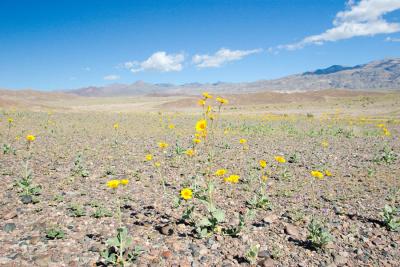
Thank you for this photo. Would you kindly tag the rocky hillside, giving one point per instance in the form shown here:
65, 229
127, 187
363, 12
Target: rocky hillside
376, 75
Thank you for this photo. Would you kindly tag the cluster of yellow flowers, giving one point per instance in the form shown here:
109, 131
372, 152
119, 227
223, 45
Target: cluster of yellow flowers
230, 179
115, 183
385, 130
233, 178
320, 175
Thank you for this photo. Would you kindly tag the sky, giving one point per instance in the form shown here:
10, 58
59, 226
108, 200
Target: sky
53, 45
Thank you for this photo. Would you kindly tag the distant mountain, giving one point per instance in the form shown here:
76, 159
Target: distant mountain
373, 76
331, 69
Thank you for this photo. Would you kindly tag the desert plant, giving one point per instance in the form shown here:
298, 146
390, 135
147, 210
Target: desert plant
55, 233
79, 168
390, 220
101, 212
318, 236
385, 155
76, 210
118, 252
252, 254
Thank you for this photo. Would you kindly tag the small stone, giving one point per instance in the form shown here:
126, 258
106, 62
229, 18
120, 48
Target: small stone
264, 254
9, 227
291, 230
42, 260
34, 240
166, 254
378, 242
203, 251
270, 218
26, 199
94, 249
10, 215
166, 230
340, 260
267, 263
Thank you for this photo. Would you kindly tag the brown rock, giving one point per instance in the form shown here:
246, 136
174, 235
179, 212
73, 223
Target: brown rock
166, 254
10, 215
267, 263
167, 230
291, 230
43, 260
270, 218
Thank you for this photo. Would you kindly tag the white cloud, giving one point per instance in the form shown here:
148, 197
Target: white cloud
220, 57
159, 61
111, 77
391, 39
362, 18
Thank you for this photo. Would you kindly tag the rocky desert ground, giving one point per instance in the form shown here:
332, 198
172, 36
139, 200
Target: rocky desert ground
265, 179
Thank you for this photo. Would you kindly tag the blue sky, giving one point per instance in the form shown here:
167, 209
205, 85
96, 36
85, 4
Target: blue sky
52, 45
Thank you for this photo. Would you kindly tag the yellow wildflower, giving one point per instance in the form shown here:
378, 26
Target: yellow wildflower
263, 163
324, 143
116, 126
186, 193
207, 95
149, 157
201, 125
243, 141
280, 159
264, 178
124, 181
162, 145
171, 126
232, 179
328, 173
317, 174
201, 102
386, 132
196, 141
30, 138
10, 120
113, 184
189, 152
157, 164
381, 125
220, 172
222, 100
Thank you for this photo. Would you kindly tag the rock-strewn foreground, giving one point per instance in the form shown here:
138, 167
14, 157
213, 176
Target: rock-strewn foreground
363, 161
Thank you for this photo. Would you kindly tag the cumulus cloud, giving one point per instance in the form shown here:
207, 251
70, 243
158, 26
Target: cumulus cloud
220, 57
111, 77
361, 18
159, 61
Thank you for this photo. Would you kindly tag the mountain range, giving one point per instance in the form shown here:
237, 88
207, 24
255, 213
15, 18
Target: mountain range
373, 76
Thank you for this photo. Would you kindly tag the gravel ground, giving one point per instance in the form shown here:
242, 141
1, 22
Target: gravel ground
364, 164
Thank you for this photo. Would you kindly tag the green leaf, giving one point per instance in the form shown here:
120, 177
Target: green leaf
219, 215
